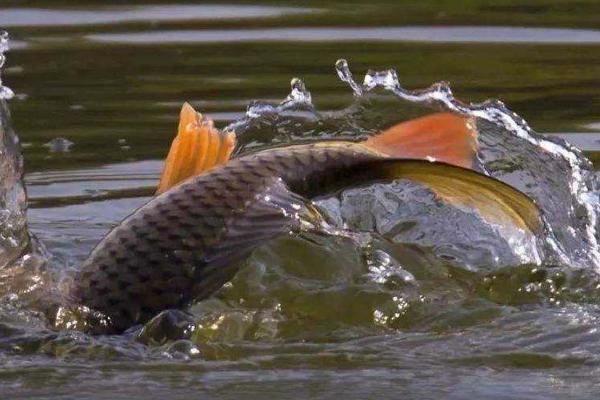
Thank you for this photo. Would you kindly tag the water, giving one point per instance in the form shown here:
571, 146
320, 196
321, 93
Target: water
428, 34
433, 304
5, 92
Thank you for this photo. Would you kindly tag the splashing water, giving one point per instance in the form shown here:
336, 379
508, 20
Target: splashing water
298, 98
407, 212
552, 172
13, 200
395, 274
582, 227
5, 93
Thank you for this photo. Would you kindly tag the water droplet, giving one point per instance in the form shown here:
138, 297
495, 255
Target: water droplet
343, 71
387, 79
298, 95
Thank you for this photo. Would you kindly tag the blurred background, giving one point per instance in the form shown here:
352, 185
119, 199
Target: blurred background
111, 77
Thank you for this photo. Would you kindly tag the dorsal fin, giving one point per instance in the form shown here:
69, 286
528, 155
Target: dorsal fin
445, 137
198, 147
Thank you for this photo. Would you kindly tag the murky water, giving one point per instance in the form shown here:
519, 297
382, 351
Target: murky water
434, 304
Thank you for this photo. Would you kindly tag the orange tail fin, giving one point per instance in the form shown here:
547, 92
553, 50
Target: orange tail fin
445, 137
198, 147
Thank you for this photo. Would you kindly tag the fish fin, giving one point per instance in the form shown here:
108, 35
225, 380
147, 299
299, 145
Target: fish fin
275, 211
198, 147
495, 201
446, 137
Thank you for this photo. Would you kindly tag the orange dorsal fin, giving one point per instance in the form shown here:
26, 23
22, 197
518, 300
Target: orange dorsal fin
198, 147
445, 137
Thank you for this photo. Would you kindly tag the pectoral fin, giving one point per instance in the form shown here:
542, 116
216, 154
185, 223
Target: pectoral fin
275, 211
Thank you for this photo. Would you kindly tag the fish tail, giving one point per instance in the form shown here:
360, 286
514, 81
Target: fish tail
446, 137
197, 148
495, 201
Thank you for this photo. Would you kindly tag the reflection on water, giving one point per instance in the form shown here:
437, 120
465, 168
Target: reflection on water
15, 17
311, 318
428, 34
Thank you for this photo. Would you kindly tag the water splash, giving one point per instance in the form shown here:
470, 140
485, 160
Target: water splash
14, 237
279, 298
343, 71
267, 123
555, 174
383, 268
299, 97
494, 111
13, 200
5, 93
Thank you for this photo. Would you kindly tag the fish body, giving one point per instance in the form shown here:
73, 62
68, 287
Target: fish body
157, 257
186, 242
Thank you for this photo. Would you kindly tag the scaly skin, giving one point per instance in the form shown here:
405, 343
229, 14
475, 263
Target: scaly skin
185, 244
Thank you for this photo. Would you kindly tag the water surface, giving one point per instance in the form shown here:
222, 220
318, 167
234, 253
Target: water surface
305, 318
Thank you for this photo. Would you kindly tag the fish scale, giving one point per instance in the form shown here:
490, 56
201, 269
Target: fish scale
184, 244
154, 259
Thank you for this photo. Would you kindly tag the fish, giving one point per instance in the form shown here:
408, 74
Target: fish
212, 210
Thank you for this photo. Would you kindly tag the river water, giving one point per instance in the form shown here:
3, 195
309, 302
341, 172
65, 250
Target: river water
436, 304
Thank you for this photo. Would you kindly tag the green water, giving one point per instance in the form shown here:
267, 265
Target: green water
299, 321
